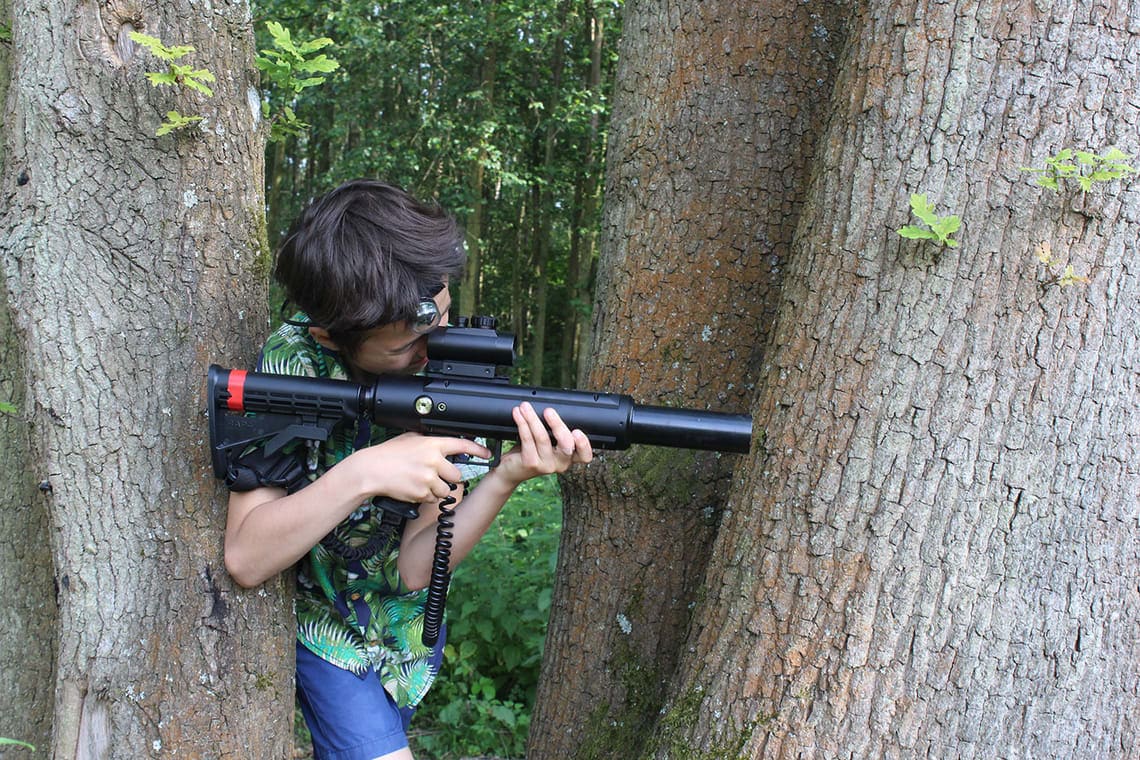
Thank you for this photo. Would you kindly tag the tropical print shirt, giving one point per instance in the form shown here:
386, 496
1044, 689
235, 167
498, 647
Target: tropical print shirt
354, 613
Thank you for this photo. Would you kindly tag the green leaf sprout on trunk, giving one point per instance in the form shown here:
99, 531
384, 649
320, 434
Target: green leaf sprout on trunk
938, 228
1084, 167
177, 75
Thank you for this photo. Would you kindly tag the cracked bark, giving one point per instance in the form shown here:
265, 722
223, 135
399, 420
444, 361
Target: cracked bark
130, 262
705, 175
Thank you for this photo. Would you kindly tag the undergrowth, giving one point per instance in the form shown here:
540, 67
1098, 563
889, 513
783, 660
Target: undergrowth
497, 611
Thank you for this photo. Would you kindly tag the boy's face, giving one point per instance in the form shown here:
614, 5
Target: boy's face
394, 349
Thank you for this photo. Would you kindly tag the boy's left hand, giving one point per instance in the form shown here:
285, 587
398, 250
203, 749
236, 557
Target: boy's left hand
544, 448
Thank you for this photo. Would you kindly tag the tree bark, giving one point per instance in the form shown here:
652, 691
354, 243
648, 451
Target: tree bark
28, 615
935, 553
715, 116
130, 262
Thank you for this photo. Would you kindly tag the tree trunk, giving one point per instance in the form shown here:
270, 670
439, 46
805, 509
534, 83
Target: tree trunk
935, 552
714, 119
129, 263
28, 615
469, 295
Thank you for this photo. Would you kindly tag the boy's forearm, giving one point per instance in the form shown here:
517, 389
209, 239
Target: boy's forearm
266, 537
473, 517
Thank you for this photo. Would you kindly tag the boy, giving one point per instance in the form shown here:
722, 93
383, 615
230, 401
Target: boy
368, 266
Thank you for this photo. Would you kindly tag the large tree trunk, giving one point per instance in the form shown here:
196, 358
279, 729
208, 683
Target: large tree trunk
705, 175
130, 262
936, 552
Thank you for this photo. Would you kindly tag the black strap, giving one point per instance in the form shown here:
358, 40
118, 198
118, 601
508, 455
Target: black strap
389, 523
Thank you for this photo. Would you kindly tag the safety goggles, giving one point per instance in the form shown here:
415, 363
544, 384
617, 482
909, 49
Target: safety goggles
428, 315
426, 318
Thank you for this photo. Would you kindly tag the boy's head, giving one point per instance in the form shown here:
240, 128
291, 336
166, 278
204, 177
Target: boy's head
364, 256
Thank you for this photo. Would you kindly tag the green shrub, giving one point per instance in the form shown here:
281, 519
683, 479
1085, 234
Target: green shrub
497, 611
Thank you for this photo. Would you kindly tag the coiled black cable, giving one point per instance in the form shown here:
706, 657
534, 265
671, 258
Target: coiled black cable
440, 573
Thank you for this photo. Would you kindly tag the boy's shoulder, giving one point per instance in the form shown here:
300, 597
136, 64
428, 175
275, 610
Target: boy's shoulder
291, 350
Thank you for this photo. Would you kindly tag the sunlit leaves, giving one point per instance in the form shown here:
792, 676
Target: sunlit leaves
938, 228
175, 120
1083, 167
176, 73
289, 67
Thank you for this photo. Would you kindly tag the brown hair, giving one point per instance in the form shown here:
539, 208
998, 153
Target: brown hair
363, 256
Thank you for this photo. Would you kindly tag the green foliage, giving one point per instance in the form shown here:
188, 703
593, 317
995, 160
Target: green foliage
1082, 166
291, 67
16, 743
175, 120
1060, 274
7, 408
938, 228
497, 612
176, 75
5, 34
442, 98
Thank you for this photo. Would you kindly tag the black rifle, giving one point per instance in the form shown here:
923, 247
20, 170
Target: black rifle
461, 394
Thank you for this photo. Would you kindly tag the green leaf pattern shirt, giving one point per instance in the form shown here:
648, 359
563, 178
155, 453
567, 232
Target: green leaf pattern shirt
354, 613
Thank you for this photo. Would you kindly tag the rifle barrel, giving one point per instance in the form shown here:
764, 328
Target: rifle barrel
690, 429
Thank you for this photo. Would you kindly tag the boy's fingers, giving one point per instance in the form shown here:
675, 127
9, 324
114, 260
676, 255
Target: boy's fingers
523, 423
537, 429
584, 448
453, 446
564, 437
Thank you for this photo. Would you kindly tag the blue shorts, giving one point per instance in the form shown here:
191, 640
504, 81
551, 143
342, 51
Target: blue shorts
350, 717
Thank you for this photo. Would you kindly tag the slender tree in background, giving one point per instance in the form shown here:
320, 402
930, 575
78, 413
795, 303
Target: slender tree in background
932, 550
130, 261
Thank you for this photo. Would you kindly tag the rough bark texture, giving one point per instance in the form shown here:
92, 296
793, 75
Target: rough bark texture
936, 554
130, 262
713, 122
28, 615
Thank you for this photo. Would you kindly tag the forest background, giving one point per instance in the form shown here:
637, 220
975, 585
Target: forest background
495, 110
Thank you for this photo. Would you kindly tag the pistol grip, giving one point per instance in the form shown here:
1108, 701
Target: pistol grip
404, 509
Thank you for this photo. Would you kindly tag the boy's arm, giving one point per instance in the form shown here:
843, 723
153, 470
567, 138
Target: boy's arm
535, 455
268, 530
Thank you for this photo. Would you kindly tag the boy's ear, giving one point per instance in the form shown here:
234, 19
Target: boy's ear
321, 335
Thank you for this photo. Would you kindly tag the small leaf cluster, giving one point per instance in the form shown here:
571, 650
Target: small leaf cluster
938, 228
290, 67
176, 74
1082, 166
16, 743
1060, 277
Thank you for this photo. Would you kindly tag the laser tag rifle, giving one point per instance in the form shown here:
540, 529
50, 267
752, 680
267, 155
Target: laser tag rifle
461, 393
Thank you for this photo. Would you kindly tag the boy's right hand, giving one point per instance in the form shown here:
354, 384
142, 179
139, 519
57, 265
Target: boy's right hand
414, 468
